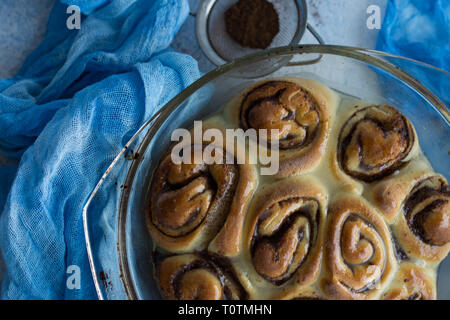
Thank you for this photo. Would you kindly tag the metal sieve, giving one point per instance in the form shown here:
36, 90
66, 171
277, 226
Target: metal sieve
220, 48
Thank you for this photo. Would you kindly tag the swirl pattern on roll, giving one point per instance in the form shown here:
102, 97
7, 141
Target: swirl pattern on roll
287, 232
359, 258
374, 142
284, 106
424, 229
388, 195
364, 216
188, 204
197, 277
300, 109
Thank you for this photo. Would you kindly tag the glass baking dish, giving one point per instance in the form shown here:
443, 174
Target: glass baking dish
118, 244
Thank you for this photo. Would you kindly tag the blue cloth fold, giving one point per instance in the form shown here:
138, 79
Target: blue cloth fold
67, 113
420, 30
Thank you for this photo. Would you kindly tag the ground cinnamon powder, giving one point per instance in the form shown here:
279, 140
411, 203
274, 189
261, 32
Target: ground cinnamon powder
252, 23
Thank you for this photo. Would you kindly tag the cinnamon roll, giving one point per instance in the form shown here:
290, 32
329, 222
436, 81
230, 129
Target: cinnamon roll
359, 257
412, 283
300, 109
191, 206
285, 235
197, 277
227, 230
423, 228
375, 142
389, 194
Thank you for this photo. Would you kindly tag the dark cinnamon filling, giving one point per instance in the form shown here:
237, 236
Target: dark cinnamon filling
180, 207
379, 145
220, 267
364, 260
271, 245
427, 224
400, 254
275, 105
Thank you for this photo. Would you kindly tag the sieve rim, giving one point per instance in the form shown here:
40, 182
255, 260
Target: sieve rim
203, 38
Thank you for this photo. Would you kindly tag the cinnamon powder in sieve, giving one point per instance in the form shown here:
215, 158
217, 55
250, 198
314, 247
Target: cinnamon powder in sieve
252, 23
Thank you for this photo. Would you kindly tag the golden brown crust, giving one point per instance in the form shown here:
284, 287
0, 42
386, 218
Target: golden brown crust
284, 106
285, 235
375, 142
191, 206
359, 257
301, 109
224, 232
228, 241
423, 227
388, 195
411, 283
196, 277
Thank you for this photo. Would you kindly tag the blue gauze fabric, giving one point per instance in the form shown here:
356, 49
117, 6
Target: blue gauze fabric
420, 30
71, 108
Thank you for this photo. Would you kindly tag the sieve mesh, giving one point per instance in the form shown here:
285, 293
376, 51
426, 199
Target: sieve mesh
228, 49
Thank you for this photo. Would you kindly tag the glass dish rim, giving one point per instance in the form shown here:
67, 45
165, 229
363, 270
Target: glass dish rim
369, 56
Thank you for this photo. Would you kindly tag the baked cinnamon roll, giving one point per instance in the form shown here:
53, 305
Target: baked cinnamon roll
389, 194
191, 206
197, 277
300, 109
285, 235
412, 283
359, 257
375, 142
423, 228
223, 230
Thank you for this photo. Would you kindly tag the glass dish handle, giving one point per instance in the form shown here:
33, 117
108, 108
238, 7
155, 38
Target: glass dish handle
319, 40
